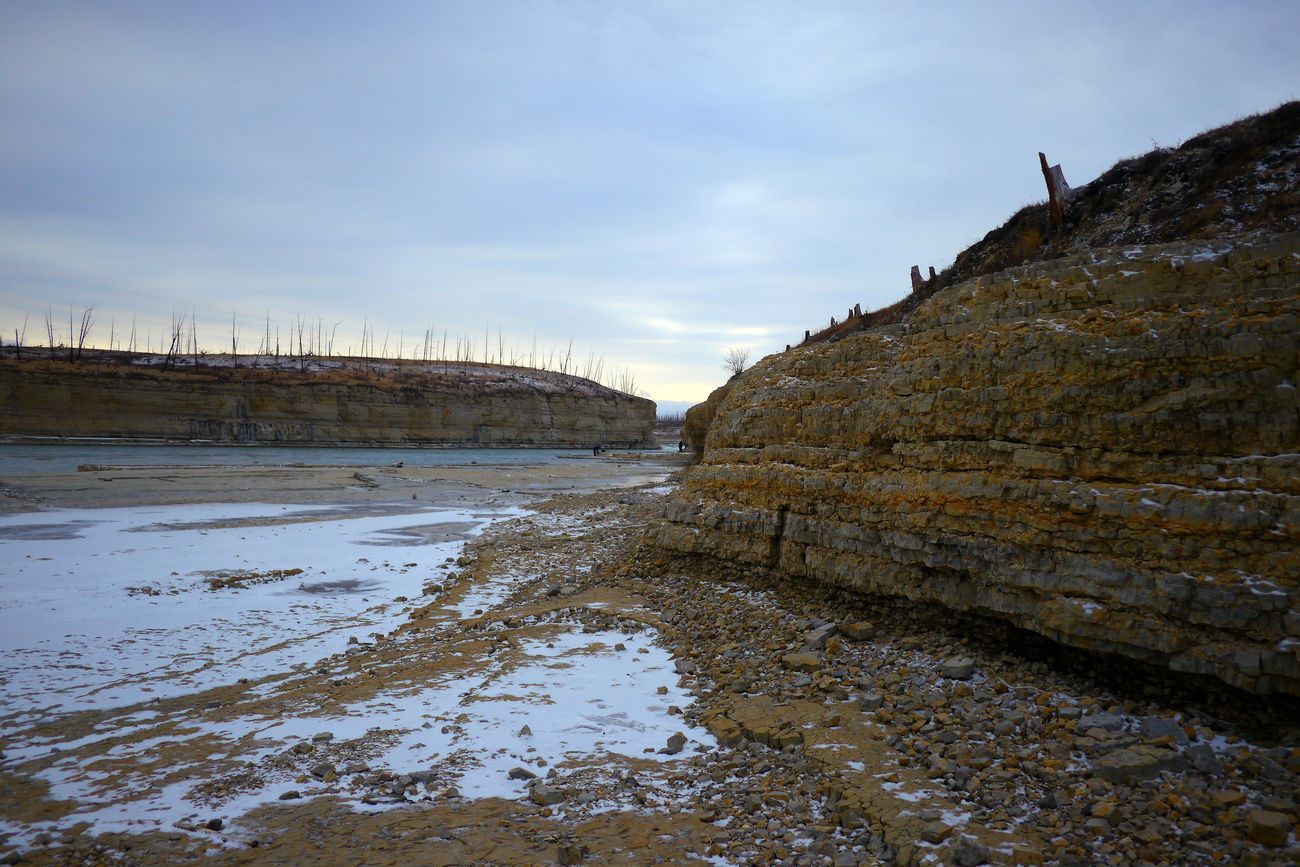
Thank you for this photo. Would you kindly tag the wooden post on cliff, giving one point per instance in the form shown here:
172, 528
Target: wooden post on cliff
1057, 189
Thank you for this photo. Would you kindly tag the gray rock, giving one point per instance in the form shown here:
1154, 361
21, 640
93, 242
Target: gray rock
816, 640
1131, 765
320, 771
321, 737
521, 774
957, 667
1108, 721
1159, 726
871, 701
1204, 760
969, 852
290, 795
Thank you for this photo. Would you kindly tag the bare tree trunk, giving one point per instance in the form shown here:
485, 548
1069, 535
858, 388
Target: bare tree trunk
19, 337
87, 322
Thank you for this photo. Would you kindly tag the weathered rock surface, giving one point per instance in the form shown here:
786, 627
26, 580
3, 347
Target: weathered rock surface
1104, 449
444, 405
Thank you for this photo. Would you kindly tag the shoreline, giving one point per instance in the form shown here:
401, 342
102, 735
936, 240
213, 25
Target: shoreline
447, 485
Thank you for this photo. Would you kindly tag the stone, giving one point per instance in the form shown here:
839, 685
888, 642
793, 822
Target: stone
816, 640
571, 853
521, 774
214, 824
1268, 828
1202, 758
935, 832
970, 852
871, 701
1105, 721
860, 630
1158, 727
322, 737
957, 667
675, 744
1132, 765
802, 661
545, 796
290, 795
1229, 798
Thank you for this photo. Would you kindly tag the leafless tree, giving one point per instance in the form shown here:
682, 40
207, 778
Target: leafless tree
19, 337
49, 328
736, 359
234, 341
177, 344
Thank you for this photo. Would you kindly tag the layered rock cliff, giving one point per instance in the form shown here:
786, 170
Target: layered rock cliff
444, 405
1104, 449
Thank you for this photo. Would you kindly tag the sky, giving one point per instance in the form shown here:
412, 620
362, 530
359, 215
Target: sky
656, 182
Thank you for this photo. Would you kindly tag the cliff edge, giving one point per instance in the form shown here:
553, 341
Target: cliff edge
381, 404
1104, 449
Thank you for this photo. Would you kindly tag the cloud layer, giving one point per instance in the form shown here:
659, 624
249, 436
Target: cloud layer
656, 180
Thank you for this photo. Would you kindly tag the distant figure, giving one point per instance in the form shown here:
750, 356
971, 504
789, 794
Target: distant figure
681, 446
598, 448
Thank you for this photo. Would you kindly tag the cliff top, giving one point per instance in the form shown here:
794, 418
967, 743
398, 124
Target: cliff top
380, 373
1236, 181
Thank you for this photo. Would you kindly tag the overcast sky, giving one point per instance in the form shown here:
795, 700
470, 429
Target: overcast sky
656, 180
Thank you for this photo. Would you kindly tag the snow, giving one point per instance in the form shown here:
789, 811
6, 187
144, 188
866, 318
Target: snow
104, 608
75, 636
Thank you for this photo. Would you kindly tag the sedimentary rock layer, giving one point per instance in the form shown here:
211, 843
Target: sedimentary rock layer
466, 405
1104, 449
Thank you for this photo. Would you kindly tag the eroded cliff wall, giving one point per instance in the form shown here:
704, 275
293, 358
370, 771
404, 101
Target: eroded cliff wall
468, 406
1104, 449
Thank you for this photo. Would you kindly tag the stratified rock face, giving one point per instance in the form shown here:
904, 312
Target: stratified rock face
463, 405
1103, 449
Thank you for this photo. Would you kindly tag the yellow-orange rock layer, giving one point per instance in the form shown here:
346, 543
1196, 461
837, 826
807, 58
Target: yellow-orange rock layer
1104, 449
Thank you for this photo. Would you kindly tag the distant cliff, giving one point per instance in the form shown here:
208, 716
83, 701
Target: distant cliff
396, 404
1104, 449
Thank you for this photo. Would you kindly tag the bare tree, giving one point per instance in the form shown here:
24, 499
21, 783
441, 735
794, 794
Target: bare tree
19, 337
49, 328
736, 359
83, 332
177, 345
234, 341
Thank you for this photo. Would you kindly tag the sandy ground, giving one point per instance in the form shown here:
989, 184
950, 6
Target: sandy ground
485, 485
768, 722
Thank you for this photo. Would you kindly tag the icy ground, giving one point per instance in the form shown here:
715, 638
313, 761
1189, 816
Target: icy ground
109, 607
111, 610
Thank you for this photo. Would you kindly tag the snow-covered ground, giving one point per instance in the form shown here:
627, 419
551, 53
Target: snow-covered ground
105, 610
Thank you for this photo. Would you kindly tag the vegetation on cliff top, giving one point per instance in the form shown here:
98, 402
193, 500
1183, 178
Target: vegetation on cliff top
1238, 180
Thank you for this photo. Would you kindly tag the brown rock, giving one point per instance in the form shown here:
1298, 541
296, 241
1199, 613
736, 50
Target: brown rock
1269, 828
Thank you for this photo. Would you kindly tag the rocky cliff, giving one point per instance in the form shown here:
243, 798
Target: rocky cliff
444, 405
1104, 449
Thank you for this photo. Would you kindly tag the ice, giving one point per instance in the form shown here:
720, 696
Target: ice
109, 607
78, 633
